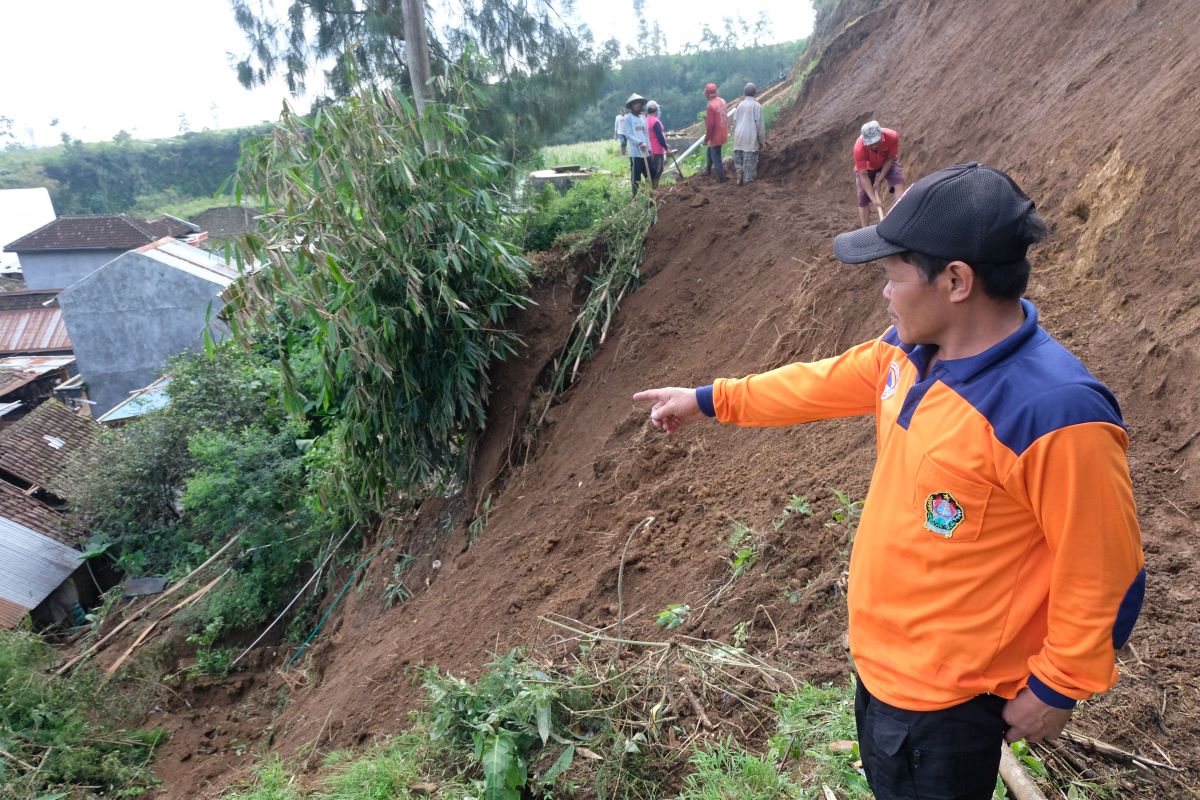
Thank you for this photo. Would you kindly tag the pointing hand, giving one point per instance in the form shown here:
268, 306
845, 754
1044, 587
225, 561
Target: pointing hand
672, 407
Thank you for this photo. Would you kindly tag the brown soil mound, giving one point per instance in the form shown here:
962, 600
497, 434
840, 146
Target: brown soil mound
1090, 104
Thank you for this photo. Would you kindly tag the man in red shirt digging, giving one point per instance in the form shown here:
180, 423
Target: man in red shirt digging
876, 159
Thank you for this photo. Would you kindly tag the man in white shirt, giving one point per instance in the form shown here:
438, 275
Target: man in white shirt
749, 135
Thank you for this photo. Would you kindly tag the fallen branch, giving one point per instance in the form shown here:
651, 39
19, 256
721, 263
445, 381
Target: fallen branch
697, 709
1016, 777
1103, 748
144, 610
193, 597
20, 761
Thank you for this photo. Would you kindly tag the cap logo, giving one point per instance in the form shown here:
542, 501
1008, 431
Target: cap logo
893, 381
942, 514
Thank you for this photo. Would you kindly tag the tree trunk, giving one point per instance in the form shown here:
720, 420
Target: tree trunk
416, 48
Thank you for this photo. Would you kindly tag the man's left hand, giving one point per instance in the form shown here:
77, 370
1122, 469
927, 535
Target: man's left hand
1031, 719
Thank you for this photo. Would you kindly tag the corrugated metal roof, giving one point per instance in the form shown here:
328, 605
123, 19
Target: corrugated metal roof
201, 263
30, 327
31, 567
143, 401
11, 614
16, 371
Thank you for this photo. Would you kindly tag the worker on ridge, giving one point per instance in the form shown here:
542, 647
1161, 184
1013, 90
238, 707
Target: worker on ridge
716, 131
658, 142
876, 159
749, 135
637, 138
997, 567
619, 128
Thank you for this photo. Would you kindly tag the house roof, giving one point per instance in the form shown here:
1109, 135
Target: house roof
29, 326
192, 260
141, 402
38, 447
227, 220
98, 232
174, 226
16, 371
37, 553
24, 510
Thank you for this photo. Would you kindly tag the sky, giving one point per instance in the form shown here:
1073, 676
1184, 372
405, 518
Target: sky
151, 67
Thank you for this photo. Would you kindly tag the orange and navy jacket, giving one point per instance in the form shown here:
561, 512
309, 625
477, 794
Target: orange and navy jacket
999, 545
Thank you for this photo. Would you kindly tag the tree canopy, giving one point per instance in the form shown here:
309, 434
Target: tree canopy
532, 64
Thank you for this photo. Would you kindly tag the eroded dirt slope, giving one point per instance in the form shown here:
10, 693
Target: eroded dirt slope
1089, 104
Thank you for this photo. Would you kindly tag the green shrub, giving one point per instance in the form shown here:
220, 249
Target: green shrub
552, 215
50, 722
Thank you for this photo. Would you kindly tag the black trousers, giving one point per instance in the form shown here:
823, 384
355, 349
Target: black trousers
952, 754
639, 167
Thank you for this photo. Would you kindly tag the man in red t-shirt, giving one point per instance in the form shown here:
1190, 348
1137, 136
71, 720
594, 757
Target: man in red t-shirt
716, 130
876, 159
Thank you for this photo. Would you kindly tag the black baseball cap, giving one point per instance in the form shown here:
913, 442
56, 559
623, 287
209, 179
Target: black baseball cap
967, 212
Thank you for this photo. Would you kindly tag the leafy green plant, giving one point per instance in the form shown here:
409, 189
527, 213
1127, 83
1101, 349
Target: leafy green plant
396, 592
741, 633
673, 616
621, 239
847, 513
507, 717
475, 528
392, 264
744, 549
796, 505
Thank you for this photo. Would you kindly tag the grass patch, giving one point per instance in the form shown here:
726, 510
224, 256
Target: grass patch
810, 719
724, 770
602, 154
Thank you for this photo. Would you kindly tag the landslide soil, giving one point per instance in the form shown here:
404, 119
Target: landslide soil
1090, 105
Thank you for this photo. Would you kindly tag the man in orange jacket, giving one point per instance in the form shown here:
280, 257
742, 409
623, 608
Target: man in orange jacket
998, 566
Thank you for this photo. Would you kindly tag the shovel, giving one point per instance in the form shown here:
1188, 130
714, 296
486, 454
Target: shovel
678, 168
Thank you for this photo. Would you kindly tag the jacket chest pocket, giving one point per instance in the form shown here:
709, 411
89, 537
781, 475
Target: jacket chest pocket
949, 508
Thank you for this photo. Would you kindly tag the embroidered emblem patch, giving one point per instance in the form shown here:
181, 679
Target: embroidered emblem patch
942, 513
893, 381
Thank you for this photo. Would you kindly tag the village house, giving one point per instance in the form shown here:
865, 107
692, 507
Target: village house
127, 319
70, 248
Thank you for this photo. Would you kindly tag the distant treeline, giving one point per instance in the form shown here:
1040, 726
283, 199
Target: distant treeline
127, 174
677, 83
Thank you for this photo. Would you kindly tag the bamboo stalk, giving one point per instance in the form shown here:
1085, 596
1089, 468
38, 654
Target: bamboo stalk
144, 610
1016, 777
187, 601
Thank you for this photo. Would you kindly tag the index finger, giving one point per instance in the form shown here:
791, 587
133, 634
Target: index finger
649, 394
